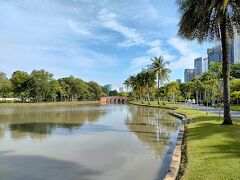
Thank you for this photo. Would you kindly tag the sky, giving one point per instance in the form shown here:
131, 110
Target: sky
100, 40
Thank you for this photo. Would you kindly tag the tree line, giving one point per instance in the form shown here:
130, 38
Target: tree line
40, 86
152, 83
209, 21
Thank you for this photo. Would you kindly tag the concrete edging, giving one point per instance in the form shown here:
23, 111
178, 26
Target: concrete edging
161, 107
177, 153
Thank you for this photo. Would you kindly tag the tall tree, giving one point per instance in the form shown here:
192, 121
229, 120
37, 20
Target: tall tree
5, 86
158, 67
39, 84
198, 86
20, 80
173, 89
208, 20
148, 79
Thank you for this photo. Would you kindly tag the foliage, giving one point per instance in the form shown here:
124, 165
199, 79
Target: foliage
5, 86
143, 84
209, 20
235, 85
113, 93
235, 70
173, 91
158, 67
41, 86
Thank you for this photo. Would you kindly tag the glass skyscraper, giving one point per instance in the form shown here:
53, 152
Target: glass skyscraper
235, 49
215, 53
200, 66
188, 75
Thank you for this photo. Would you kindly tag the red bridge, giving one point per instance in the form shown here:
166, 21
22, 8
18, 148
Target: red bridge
114, 99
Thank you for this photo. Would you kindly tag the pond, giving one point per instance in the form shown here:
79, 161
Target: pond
80, 142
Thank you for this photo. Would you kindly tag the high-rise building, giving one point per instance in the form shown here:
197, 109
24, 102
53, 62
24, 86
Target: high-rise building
121, 89
108, 87
188, 75
200, 66
215, 53
235, 49
179, 81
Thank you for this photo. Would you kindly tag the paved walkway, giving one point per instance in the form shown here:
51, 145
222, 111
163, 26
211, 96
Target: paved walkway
234, 114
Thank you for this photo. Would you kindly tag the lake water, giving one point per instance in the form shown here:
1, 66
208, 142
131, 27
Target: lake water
80, 142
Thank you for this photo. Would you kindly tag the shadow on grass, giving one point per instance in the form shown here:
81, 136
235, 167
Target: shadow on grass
214, 139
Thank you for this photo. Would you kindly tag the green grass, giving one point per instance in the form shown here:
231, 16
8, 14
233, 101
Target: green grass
213, 149
235, 107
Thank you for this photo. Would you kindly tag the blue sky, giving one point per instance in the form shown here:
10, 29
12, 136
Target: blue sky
100, 40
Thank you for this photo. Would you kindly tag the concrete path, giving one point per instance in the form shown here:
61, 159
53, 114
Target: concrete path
234, 114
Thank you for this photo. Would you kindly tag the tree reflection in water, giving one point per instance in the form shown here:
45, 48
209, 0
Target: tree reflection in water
153, 127
38, 122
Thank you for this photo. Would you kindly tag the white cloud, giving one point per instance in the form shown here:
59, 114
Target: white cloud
156, 49
187, 55
109, 20
77, 28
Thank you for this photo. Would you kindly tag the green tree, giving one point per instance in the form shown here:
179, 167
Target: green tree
235, 70
158, 67
5, 86
216, 69
235, 85
113, 93
20, 81
197, 87
95, 90
173, 90
55, 92
148, 81
39, 84
235, 95
209, 20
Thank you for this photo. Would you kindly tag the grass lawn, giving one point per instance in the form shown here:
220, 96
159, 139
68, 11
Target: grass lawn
213, 150
235, 107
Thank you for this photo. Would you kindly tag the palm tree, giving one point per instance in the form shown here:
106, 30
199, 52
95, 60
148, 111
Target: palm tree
198, 86
210, 85
158, 67
173, 88
148, 82
208, 20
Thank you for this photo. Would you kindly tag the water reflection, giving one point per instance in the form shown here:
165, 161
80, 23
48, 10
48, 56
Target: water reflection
84, 142
153, 127
40, 121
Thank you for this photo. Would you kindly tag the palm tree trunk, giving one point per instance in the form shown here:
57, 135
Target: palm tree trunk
158, 89
197, 100
148, 98
225, 71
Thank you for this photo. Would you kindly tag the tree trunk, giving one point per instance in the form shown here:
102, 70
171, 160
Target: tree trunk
196, 102
158, 90
148, 98
225, 71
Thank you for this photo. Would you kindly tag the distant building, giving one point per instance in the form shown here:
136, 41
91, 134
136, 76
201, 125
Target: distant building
188, 75
235, 49
108, 87
200, 66
121, 89
179, 81
215, 53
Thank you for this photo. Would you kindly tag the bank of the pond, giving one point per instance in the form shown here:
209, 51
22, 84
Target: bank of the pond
51, 103
212, 149
235, 107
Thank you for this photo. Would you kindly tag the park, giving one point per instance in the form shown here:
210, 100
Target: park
145, 90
